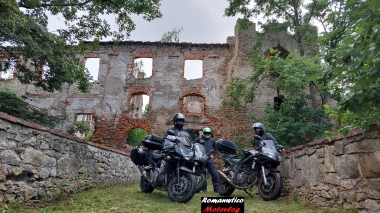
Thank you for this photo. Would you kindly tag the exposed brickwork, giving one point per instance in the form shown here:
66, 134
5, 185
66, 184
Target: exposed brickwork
111, 99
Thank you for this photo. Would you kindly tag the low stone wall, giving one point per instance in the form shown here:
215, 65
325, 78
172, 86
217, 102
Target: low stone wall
343, 172
39, 164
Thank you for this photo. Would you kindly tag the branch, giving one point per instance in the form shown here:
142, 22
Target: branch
21, 4
312, 10
284, 10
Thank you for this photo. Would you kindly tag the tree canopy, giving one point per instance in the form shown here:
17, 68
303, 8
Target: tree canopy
49, 60
172, 36
349, 48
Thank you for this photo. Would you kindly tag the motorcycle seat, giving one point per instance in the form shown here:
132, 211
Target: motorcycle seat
156, 154
235, 160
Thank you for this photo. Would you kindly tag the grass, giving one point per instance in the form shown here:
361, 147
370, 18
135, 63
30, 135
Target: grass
129, 198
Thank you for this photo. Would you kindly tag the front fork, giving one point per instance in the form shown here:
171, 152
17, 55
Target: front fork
264, 172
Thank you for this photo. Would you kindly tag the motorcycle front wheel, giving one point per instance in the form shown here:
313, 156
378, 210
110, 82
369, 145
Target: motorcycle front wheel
201, 181
183, 190
224, 187
273, 189
145, 186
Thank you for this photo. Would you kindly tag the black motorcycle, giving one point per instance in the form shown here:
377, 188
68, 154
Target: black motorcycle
257, 167
199, 165
164, 165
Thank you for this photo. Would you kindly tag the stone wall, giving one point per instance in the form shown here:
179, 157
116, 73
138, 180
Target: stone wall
341, 172
38, 164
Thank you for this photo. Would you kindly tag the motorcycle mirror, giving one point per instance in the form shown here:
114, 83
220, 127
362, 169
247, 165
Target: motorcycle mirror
170, 132
257, 137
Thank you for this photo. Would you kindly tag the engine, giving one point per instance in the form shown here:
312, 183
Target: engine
159, 175
245, 178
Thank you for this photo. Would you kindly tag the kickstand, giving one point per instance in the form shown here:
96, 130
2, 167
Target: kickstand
248, 193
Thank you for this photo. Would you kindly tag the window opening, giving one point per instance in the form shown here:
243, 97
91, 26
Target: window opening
145, 104
135, 136
45, 71
193, 69
92, 65
194, 133
139, 104
143, 67
84, 127
8, 65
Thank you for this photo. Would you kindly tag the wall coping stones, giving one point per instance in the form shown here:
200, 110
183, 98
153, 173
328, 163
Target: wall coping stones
23, 122
334, 138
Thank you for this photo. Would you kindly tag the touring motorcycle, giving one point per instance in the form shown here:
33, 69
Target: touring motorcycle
165, 164
199, 165
258, 166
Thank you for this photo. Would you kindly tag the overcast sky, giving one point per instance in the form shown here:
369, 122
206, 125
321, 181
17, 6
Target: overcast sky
202, 21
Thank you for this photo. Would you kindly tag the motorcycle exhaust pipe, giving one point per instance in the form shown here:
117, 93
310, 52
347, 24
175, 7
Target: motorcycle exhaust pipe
230, 181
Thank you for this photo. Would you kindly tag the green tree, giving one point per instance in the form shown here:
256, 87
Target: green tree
352, 51
138, 70
294, 122
46, 59
172, 36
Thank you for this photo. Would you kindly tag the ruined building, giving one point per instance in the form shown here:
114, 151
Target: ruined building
114, 103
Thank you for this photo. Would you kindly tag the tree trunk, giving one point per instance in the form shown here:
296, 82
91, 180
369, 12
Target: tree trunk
313, 94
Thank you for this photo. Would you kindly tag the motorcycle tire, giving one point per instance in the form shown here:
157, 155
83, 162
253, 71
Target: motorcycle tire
274, 188
224, 187
184, 190
145, 186
201, 181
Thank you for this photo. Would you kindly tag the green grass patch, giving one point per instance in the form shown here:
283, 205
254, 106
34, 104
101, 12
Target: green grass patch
129, 198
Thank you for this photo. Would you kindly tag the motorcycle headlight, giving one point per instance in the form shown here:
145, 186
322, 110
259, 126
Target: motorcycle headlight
270, 154
187, 154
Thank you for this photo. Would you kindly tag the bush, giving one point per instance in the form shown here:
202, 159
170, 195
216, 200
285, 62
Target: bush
135, 136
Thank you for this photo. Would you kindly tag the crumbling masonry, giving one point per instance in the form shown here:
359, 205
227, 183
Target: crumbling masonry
114, 101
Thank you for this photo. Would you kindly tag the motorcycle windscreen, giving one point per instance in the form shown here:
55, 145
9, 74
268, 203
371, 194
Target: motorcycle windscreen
168, 144
184, 138
269, 144
270, 150
200, 151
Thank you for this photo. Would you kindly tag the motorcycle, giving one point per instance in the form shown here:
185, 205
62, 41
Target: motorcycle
241, 173
164, 165
199, 165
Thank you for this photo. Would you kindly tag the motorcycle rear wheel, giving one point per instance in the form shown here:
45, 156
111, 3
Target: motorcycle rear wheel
224, 187
182, 191
145, 186
201, 181
274, 188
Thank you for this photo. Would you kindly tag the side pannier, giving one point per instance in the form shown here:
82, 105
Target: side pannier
138, 156
226, 146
